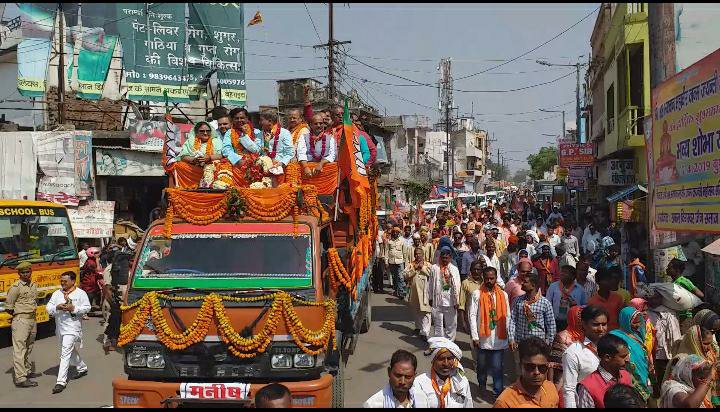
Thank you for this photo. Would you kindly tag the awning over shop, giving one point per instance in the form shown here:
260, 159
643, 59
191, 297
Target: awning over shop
625, 193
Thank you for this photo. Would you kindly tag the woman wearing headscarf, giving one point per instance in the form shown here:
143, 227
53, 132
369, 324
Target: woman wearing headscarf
689, 384
650, 341
632, 331
700, 341
563, 339
445, 386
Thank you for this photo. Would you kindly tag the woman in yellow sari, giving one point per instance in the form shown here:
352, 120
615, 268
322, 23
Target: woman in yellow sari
701, 342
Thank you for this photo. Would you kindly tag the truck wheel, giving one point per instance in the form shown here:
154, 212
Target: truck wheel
365, 325
338, 387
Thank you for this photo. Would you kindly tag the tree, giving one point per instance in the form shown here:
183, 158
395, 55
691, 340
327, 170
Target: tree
542, 162
520, 175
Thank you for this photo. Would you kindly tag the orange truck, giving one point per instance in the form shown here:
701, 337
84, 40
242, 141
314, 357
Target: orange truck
40, 233
226, 296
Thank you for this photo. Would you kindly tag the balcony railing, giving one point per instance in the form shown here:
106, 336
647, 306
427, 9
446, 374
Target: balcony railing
633, 124
633, 8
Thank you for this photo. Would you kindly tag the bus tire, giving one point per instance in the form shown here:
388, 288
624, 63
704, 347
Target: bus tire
338, 387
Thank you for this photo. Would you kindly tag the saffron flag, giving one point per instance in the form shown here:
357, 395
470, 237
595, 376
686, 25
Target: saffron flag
257, 19
351, 164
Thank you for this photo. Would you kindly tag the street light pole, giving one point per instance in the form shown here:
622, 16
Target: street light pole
577, 94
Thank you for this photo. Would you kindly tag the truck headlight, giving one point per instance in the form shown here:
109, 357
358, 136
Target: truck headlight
2, 306
155, 360
136, 360
303, 360
281, 361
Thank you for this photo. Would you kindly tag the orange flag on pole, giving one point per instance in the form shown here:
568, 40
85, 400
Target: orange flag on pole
257, 19
351, 163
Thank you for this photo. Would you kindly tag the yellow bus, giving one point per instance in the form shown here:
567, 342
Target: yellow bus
38, 232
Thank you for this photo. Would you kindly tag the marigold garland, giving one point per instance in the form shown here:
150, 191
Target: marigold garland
209, 149
338, 273
212, 311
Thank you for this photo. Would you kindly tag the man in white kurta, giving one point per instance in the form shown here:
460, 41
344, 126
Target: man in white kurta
445, 294
67, 306
458, 394
490, 346
316, 146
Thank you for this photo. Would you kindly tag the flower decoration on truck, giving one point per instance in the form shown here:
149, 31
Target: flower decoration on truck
212, 312
267, 205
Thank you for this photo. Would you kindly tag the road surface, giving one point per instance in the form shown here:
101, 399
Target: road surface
366, 371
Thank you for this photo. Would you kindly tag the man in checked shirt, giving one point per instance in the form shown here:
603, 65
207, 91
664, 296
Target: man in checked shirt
532, 314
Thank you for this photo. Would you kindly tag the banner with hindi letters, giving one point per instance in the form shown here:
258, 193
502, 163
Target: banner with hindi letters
153, 43
686, 149
215, 42
33, 52
94, 220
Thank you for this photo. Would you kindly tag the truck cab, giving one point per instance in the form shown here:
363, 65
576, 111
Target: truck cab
276, 315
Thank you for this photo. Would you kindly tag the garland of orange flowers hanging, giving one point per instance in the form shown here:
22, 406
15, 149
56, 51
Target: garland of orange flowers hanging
212, 311
248, 130
267, 205
209, 149
339, 275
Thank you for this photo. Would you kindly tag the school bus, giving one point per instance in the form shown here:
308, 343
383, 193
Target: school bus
40, 233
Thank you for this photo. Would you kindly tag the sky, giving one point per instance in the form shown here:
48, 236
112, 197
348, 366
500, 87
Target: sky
410, 39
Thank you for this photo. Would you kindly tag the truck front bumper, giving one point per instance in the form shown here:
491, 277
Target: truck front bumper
149, 394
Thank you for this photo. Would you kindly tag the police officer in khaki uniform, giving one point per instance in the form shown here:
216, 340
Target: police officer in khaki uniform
21, 304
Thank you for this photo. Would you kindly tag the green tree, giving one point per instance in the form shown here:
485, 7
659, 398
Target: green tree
542, 162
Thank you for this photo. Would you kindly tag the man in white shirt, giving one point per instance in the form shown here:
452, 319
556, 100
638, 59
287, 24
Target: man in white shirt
67, 306
591, 239
580, 358
570, 243
446, 370
315, 145
444, 292
490, 320
399, 392
492, 260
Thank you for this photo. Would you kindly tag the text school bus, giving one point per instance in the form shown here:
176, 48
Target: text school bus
40, 233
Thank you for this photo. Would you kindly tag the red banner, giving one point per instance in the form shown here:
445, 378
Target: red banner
576, 154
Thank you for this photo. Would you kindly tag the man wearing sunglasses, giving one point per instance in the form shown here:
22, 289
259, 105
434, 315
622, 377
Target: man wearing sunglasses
532, 389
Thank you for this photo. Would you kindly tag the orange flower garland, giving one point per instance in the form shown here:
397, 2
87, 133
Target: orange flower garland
213, 311
296, 132
235, 136
338, 273
209, 149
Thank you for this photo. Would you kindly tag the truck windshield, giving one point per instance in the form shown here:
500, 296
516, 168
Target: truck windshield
34, 236
226, 261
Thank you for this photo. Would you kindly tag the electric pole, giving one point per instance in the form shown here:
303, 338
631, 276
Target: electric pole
331, 52
445, 104
61, 67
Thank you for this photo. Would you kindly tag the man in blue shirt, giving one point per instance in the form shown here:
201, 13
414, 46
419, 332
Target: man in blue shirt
565, 294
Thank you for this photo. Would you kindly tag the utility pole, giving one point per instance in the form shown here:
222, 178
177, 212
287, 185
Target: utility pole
61, 68
331, 54
577, 103
445, 104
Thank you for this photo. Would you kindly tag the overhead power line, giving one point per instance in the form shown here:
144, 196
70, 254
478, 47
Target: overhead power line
533, 49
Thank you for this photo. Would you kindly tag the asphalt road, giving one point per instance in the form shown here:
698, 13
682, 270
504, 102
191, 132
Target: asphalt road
392, 329
93, 390
366, 372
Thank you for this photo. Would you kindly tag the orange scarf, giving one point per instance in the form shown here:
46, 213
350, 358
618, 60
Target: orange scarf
209, 149
247, 129
500, 307
296, 132
440, 392
529, 314
633, 275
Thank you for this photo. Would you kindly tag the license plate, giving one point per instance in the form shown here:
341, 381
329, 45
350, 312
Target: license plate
41, 315
225, 390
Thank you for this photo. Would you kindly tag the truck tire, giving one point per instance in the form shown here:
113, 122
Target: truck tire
365, 325
338, 387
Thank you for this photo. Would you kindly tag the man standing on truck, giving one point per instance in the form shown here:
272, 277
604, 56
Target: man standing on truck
21, 304
67, 306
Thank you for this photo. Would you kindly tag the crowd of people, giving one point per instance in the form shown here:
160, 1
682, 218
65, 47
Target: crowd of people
585, 328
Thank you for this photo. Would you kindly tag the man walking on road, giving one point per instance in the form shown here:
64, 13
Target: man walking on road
445, 295
21, 303
67, 306
399, 392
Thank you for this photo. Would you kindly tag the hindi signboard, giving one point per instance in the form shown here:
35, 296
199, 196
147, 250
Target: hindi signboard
94, 220
685, 151
617, 172
57, 190
576, 154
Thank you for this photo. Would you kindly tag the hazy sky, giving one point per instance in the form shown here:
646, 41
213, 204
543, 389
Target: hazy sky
409, 40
